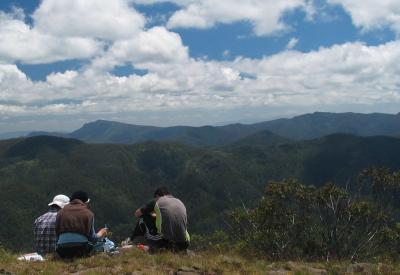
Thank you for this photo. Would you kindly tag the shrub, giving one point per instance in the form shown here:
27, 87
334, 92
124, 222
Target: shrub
293, 220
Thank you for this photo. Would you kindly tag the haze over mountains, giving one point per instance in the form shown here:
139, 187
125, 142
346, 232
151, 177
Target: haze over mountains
301, 127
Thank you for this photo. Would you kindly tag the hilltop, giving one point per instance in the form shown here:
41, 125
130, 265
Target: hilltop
204, 262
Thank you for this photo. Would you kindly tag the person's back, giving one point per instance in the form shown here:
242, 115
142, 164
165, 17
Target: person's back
173, 219
45, 232
75, 228
168, 229
75, 218
45, 237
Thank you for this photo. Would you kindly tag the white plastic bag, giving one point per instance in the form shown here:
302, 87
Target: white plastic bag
32, 257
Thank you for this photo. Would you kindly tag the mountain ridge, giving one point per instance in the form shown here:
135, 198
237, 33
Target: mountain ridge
302, 127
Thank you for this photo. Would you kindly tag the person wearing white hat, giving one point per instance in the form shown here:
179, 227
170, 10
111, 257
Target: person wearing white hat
45, 237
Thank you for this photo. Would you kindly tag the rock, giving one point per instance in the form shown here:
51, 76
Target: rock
187, 273
363, 268
197, 266
184, 270
317, 271
295, 268
190, 253
385, 269
292, 265
279, 272
299, 267
230, 261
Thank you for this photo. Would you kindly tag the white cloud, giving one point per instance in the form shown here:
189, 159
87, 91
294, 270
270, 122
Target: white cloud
20, 42
62, 80
66, 29
292, 43
226, 53
230, 74
343, 74
15, 87
89, 18
264, 15
154, 46
9, 72
372, 14
351, 73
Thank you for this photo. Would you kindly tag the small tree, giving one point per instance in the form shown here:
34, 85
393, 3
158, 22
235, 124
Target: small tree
349, 227
293, 220
278, 225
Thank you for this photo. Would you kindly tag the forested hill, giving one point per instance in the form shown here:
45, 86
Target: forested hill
321, 124
210, 181
302, 127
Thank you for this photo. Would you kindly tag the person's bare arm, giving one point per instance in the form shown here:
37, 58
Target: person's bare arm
102, 233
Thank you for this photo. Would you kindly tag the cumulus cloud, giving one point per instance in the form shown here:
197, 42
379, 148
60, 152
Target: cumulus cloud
292, 43
154, 46
371, 14
9, 72
67, 29
264, 15
342, 74
226, 53
14, 87
21, 42
89, 18
348, 73
65, 80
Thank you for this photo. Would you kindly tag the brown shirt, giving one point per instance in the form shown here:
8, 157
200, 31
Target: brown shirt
75, 217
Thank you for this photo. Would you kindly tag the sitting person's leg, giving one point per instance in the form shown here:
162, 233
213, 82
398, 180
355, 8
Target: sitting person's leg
139, 230
180, 246
146, 227
171, 246
75, 250
159, 244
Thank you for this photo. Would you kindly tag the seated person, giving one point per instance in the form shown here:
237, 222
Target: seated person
45, 237
169, 227
75, 228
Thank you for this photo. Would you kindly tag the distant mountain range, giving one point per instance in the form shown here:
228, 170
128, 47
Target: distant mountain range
301, 127
8, 135
320, 124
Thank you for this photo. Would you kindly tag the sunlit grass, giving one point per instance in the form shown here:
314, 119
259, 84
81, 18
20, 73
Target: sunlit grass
206, 262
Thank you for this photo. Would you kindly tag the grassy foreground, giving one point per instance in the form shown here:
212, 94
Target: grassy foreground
135, 261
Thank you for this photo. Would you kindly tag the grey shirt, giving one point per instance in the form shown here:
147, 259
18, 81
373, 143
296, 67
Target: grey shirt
171, 218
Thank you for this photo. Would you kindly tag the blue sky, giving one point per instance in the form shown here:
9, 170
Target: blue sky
63, 63
237, 38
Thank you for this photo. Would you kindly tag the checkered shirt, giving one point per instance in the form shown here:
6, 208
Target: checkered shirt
45, 233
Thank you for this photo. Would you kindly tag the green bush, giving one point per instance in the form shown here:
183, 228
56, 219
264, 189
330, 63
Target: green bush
293, 220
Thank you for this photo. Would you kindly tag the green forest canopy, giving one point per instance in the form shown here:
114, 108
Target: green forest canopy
210, 181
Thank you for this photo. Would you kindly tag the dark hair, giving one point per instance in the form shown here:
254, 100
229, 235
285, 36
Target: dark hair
161, 191
55, 207
80, 195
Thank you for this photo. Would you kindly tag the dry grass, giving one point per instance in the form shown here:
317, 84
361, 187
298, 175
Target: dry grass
135, 261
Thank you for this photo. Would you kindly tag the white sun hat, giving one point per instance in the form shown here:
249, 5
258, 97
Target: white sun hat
60, 200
